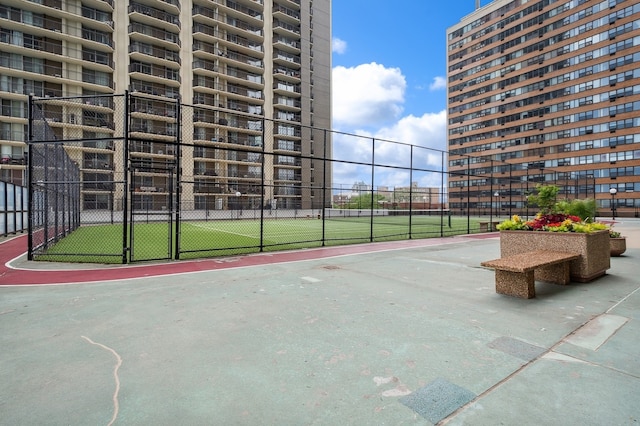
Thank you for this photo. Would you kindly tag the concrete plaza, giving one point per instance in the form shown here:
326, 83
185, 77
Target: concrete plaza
409, 334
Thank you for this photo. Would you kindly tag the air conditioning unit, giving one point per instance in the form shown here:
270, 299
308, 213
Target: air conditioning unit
160, 152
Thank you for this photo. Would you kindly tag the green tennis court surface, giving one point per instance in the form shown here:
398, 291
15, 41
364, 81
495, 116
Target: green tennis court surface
104, 243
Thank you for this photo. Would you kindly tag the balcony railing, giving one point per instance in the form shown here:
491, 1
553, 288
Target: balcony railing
155, 32
17, 160
155, 51
154, 13
241, 8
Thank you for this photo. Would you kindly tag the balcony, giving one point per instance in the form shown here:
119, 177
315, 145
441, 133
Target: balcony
287, 74
244, 107
204, 152
154, 89
204, 171
144, 106
165, 38
244, 59
154, 71
204, 116
152, 12
239, 41
286, 59
287, 44
284, 13
97, 164
206, 188
16, 39
204, 64
287, 104
16, 160
152, 51
95, 122
97, 36
285, 28
284, 89
235, 9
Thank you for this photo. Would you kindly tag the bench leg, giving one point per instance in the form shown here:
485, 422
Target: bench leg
517, 284
557, 274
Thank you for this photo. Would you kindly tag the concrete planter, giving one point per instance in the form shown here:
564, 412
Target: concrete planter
618, 246
594, 249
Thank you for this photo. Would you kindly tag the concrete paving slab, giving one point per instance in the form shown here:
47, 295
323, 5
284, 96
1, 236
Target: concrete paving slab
339, 340
557, 392
597, 331
437, 400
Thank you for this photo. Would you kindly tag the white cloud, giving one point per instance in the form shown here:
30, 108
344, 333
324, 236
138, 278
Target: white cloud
426, 131
338, 46
368, 101
438, 83
368, 95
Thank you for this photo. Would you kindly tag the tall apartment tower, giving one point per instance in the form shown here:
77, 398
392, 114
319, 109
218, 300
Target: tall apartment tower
264, 58
545, 91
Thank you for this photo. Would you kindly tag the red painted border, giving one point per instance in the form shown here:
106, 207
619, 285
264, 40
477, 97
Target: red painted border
16, 247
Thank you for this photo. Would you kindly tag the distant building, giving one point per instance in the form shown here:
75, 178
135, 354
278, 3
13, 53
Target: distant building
260, 58
405, 197
545, 92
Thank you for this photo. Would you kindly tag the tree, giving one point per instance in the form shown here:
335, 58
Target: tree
365, 201
545, 199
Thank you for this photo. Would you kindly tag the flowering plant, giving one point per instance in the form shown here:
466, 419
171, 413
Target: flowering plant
614, 234
556, 216
553, 222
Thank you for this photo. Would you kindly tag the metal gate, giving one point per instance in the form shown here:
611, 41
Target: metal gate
153, 209
153, 173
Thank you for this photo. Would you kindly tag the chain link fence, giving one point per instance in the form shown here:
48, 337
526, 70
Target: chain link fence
130, 178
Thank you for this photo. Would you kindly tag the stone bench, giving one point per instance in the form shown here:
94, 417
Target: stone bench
486, 226
516, 275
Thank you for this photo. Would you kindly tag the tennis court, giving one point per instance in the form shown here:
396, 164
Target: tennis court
231, 236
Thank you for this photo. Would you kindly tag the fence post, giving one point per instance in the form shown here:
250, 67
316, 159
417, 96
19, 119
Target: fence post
126, 195
5, 211
411, 192
178, 179
29, 175
468, 198
442, 190
373, 172
324, 185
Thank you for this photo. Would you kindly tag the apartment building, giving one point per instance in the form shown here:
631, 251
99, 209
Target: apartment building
234, 62
545, 91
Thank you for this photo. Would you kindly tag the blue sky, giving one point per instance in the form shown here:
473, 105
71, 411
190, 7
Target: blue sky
389, 68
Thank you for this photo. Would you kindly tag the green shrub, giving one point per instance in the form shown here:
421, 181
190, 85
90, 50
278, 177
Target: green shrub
584, 209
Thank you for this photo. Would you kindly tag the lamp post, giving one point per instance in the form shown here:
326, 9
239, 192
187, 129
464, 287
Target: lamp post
497, 195
613, 192
239, 203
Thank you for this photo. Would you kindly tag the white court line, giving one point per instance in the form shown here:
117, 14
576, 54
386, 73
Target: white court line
226, 232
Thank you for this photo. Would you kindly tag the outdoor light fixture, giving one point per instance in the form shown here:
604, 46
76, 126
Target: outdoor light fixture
613, 192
